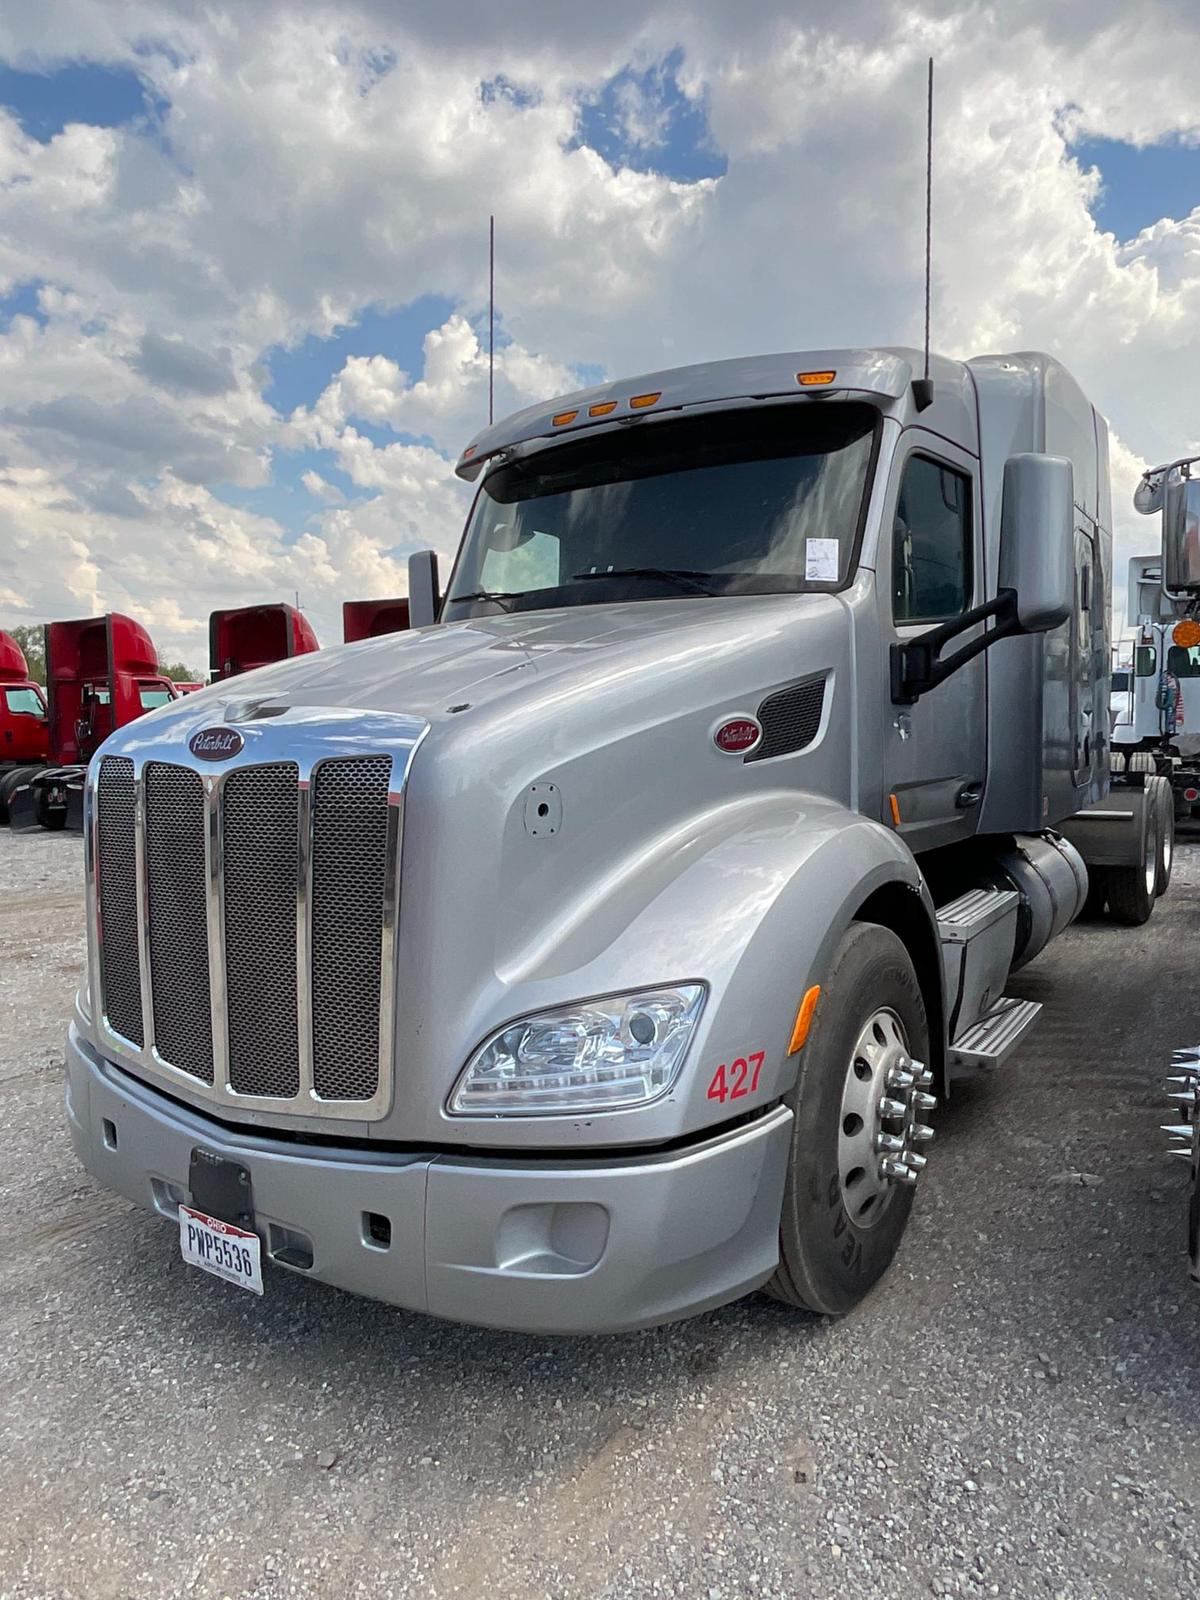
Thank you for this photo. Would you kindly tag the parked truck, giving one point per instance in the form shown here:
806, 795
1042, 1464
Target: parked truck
24, 728
243, 638
596, 951
367, 619
101, 674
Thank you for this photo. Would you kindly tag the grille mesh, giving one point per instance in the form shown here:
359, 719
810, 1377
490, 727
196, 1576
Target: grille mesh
791, 719
118, 899
178, 918
350, 825
261, 867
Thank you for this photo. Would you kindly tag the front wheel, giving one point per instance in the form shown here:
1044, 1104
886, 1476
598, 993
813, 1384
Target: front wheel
862, 1088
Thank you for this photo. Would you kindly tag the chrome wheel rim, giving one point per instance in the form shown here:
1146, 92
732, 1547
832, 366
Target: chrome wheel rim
878, 1130
1150, 864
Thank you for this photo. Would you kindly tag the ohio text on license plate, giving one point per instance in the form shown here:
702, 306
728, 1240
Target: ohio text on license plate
228, 1252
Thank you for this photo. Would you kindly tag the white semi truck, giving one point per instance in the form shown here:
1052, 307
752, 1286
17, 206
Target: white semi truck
595, 952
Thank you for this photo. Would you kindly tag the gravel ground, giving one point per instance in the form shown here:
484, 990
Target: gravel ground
1014, 1412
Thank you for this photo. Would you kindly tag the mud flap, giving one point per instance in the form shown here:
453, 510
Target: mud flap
74, 822
22, 810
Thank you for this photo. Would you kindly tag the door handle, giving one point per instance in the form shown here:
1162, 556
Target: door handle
969, 795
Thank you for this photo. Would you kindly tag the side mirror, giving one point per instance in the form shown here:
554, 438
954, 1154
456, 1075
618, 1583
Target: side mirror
1181, 535
1037, 539
423, 596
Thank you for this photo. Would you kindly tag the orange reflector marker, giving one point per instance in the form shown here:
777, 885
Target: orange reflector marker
1186, 633
563, 417
640, 401
468, 452
806, 380
804, 1019
895, 804
602, 408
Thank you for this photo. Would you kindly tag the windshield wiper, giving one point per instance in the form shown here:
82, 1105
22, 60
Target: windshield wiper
499, 596
676, 575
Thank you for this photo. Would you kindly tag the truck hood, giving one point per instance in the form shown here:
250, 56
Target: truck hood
443, 671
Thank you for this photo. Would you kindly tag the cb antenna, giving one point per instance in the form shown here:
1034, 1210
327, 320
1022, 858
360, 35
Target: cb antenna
491, 318
923, 387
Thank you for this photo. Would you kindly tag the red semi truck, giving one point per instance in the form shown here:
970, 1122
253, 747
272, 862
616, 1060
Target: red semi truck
367, 619
101, 673
252, 636
24, 727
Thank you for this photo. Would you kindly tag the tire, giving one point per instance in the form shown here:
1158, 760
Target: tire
1131, 889
829, 1258
1097, 895
1165, 797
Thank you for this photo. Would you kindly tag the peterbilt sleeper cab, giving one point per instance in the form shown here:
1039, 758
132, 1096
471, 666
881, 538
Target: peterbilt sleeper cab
596, 950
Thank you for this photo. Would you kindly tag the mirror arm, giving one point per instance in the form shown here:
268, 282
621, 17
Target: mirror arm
916, 664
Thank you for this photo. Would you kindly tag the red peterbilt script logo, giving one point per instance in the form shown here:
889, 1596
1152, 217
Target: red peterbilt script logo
737, 736
215, 744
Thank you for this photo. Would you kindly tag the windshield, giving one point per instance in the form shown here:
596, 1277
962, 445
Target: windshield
24, 702
756, 501
1120, 680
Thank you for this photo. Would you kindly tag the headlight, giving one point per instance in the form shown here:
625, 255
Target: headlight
596, 1055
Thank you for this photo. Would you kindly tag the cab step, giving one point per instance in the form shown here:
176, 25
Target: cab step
988, 1043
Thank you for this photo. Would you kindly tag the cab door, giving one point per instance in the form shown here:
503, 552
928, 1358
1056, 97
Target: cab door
930, 570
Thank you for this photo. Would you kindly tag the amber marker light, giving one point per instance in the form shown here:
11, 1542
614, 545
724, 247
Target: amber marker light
602, 408
895, 805
808, 380
563, 417
804, 1019
1186, 633
639, 402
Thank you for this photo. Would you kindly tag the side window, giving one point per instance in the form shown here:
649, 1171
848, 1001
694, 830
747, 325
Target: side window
520, 561
1145, 661
931, 543
24, 703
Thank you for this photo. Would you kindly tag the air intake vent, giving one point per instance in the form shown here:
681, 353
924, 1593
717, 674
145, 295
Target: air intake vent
178, 919
349, 868
261, 830
791, 719
117, 895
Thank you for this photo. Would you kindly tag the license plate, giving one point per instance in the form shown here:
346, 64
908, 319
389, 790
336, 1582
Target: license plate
220, 1248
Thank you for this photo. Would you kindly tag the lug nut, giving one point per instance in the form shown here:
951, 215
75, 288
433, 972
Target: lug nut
1177, 1130
889, 1167
925, 1077
891, 1142
921, 1133
900, 1078
890, 1109
917, 1161
922, 1101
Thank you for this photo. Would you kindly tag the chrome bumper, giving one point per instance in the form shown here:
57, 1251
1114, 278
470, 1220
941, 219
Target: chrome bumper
545, 1246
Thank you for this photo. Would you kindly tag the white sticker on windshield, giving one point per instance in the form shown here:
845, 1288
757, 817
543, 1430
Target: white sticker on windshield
821, 560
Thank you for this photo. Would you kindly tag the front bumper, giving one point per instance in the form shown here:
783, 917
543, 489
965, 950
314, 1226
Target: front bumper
586, 1246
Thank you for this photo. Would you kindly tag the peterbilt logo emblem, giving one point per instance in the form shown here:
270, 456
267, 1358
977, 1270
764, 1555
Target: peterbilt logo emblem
737, 736
216, 744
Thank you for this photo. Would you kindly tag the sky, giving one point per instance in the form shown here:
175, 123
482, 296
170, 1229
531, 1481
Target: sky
243, 250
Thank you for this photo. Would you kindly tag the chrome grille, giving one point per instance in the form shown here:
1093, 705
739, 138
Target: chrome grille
176, 895
349, 862
260, 826
117, 896
244, 919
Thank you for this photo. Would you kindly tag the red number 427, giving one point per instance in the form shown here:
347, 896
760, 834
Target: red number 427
729, 1082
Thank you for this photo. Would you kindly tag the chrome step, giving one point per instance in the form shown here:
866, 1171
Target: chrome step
988, 1043
972, 913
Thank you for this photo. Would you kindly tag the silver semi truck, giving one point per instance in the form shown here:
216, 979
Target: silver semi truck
595, 952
